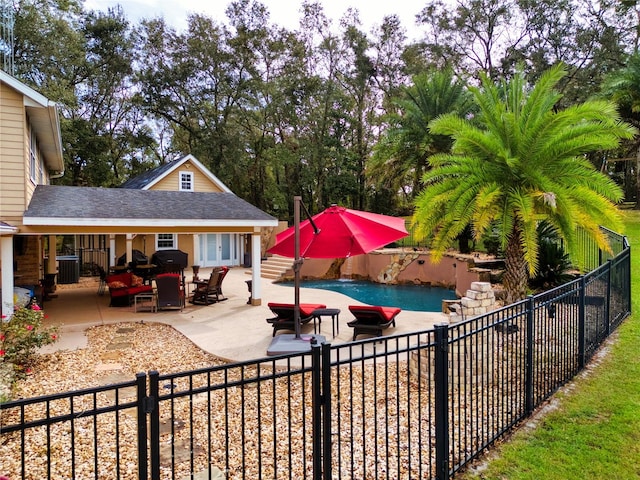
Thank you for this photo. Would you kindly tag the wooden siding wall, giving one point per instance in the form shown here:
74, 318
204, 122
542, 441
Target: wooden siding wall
13, 160
147, 245
201, 182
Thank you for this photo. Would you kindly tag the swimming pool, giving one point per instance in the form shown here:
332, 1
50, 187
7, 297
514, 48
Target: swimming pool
418, 298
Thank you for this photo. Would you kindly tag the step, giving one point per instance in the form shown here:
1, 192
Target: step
275, 266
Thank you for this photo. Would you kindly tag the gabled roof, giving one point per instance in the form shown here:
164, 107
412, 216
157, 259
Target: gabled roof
96, 206
148, 179
44, 119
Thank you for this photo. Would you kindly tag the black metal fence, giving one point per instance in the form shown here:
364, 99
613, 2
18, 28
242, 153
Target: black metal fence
419, 405
91, 260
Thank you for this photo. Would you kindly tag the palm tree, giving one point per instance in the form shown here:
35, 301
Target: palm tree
521, 161
401, 157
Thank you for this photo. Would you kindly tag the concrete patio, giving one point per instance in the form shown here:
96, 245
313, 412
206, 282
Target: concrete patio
231, 329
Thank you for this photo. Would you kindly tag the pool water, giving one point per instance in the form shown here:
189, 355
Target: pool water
418, 298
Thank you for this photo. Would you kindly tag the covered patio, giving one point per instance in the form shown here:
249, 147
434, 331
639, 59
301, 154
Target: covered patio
59, 210
231, 329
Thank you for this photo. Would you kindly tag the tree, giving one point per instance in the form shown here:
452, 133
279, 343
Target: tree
623, 86
521, 161
402, 155
491, 36
472, 36
83, 61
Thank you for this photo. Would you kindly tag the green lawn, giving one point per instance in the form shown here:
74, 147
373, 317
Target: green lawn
595, 431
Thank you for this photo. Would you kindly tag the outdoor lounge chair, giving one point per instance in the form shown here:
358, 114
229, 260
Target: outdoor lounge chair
371, 320
170, 291
210, 291
283, 312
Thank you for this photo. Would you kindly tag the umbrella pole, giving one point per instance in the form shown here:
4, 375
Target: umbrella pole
296, 264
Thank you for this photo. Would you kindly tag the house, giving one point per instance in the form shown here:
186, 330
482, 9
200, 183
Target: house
30, 155
179, 205
214, 248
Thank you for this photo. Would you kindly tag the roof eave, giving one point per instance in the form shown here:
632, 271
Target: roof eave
45, 120
160, 223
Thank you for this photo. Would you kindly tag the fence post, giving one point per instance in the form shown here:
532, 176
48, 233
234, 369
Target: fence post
607, 301
141, 385
627, 280
153, 409
441, 400
316, 410
529, 357
582, 322
327, 445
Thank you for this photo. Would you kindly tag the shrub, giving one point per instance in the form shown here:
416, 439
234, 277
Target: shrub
491, 242
22, 334
553, 262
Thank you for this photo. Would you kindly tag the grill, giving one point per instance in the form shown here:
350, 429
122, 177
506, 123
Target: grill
170, 257
137, 258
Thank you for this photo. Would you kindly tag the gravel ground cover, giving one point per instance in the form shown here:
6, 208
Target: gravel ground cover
115, 353
216, 431
260, 426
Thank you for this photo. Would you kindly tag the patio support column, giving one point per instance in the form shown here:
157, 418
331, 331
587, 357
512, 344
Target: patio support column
196, 249
112, 250
6, 254
129, 248
52, 264
256, 257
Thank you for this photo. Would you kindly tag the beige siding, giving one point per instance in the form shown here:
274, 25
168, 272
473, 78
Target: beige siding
13, 158
28, 182
147, 245
201, 181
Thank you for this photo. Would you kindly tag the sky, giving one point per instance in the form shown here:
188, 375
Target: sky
285, 13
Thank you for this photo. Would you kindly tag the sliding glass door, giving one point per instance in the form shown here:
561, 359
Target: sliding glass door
219, 249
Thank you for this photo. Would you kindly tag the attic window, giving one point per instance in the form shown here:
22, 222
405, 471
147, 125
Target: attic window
186, 181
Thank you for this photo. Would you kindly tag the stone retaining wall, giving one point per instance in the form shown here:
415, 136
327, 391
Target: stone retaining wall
478, 300
401, 266
475, 350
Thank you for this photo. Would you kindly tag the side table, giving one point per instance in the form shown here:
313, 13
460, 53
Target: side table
329, 312
141, 299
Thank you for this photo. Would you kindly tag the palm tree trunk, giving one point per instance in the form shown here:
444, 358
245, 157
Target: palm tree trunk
516, 273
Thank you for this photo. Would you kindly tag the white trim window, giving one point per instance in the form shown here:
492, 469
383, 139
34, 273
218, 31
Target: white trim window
166, 241
41, 171
186, 182
33, 157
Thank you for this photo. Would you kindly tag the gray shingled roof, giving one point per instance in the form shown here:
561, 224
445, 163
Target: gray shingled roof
143, 179
86, 203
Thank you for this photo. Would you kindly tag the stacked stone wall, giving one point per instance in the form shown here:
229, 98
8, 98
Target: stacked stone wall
476, 350
478, 300
397, 263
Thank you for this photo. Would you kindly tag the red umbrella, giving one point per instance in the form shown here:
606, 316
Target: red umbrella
341, 232
336, 232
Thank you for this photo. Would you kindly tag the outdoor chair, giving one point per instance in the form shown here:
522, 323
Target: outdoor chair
170, 291
371, 320
103, 281
210, 291
283, 312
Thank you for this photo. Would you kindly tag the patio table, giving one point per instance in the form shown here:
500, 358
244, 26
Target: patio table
329, 312
141, 300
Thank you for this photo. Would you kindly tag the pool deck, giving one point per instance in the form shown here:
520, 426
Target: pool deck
231, 329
